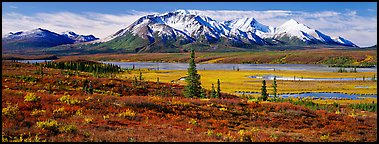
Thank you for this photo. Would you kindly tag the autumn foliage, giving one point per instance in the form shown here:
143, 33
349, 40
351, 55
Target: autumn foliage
54, 107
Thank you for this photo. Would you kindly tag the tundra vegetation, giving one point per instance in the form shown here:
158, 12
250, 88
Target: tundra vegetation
81, 100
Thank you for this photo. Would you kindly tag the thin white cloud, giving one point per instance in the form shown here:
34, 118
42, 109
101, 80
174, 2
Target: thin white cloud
98, 24
359, 29
14, 7
372, 10
352, 13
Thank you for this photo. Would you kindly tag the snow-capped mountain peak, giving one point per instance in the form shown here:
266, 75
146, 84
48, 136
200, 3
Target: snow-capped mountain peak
70, 33
44, 38
292, 21
181, 11
39, 32
248, 24
35, 38
178, 23
79, 38
190, 25
292, 28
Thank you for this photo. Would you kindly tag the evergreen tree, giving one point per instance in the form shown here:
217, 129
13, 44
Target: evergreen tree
85, 85
140, 75
264, 91
218, 94
203, 94
193, 88
90, 88
274, 87
213, 92
135, 81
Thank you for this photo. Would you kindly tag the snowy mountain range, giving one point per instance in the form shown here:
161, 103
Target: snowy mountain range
182, 27
41, 38
79, 38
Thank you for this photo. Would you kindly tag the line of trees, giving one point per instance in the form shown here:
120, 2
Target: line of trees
264, 94
214, 93
85, 66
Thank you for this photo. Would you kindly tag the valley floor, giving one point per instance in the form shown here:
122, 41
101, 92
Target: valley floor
54, 106
233, 80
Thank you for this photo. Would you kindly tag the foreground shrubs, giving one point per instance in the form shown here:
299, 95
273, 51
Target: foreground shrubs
371, 107
60, 112
174, 118
51, 125
10, 111
128, 113
68, 129
309, 104
37, 112
67, 99
21, 138
25, 78
31, 97
54, 126
88, 120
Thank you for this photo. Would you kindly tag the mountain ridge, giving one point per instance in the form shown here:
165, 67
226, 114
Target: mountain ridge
181, 29
42, 38
183, 25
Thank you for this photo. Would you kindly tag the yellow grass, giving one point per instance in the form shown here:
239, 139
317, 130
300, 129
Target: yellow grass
213, 60
232, 81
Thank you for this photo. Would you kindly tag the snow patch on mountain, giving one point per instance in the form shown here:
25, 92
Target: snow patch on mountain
43, 37
35, 33
293, 28
192, 26
79, 38
344, 42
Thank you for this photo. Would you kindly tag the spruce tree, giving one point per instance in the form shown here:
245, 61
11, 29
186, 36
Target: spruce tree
140, 75
218, 94
213, 92
274, 87
264, 91
203, 94
85, 85
193, 88
90, 88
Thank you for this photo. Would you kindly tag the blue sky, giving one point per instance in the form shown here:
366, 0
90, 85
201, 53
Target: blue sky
355, 21
122, 7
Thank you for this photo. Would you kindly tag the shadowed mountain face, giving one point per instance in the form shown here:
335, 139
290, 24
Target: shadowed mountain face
41, 38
